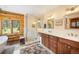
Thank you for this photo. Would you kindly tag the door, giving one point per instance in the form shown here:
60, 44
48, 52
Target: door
53, 43
46, 40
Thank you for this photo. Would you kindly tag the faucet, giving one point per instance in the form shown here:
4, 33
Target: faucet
72, 34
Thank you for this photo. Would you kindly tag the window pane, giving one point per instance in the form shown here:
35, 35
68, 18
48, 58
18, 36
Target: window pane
6, 29
16, 26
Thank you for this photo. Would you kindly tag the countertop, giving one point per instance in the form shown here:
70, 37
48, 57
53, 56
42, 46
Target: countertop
67, 34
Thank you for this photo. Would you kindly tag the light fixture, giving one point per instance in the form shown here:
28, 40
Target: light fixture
38, 21
72, 9
34, 22
50, 17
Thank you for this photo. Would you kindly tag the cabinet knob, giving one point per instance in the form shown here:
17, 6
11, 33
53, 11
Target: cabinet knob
67, 46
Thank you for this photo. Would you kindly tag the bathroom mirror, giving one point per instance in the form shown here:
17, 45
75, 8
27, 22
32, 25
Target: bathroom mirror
50, 23
34, 24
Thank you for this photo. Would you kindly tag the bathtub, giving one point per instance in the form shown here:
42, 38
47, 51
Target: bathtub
3, 42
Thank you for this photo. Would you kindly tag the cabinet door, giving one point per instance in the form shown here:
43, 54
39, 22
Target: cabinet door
63, 48
53, 41
52, 46
67, 49
60, 48
46, 40
74, 50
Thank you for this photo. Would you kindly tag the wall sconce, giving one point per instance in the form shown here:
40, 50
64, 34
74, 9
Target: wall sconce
51, 17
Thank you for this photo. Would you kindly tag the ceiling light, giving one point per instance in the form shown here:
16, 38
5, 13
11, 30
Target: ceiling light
34, 22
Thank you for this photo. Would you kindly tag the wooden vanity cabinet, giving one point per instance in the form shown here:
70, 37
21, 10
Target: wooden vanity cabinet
74, 50
63, 48
74, 47
60, 45
45, 40
53, 42
66, 46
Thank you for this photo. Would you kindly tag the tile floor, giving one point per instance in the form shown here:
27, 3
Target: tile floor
33, 48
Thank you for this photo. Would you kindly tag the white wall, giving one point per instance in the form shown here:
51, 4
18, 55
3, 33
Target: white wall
25, 25
58, 16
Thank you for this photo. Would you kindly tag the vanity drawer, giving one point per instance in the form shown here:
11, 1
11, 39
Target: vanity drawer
69, 42
53, 37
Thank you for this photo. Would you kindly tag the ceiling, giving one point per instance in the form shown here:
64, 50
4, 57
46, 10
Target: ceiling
34, 10
38, 10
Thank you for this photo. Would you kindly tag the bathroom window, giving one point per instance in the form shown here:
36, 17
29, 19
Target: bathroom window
16, 26
6, 26
9, 26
